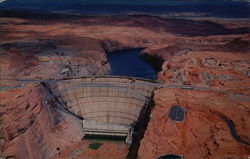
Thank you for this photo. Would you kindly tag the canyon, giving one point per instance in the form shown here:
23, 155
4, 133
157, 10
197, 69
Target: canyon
200, 53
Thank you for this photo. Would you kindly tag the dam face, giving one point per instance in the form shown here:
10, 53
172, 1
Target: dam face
108, 105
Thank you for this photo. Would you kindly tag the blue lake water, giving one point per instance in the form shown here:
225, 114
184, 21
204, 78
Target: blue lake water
129, 63
219, 8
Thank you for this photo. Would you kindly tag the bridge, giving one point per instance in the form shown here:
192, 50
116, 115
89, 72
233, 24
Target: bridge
110, 105
107, 105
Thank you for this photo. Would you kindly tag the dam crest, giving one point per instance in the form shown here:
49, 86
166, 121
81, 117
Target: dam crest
109, 106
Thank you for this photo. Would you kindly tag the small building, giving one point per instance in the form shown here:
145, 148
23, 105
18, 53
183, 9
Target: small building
43, 58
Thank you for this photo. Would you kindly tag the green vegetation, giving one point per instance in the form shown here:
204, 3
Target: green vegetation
95, 146
119, 139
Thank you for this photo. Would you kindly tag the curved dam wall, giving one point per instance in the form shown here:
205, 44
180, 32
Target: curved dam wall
108, 105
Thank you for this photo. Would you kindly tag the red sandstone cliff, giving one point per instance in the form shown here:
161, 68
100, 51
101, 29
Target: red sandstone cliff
33, 128
202, 134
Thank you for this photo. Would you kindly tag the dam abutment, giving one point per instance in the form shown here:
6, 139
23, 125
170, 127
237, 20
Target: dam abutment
108, 106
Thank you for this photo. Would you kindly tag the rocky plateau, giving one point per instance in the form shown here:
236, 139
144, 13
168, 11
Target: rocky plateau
214, 54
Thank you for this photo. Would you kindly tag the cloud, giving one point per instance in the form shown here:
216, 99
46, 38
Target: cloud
2, 1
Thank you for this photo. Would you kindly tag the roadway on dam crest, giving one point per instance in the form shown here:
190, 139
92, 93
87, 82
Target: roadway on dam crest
121, 84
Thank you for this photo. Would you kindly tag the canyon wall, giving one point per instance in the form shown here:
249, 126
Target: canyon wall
185, 52
203, 133
33, 125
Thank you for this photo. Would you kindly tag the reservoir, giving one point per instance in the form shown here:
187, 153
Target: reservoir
130, 63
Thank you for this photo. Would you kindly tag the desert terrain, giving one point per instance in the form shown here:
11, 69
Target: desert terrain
201, 53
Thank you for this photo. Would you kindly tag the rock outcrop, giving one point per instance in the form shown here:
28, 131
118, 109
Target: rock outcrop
216, 124
195, 53
202, 134
112, 45
33, 125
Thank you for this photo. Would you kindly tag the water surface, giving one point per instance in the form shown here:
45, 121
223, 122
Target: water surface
129, 63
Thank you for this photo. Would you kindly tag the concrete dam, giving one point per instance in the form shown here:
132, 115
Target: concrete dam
115, 105
108, 105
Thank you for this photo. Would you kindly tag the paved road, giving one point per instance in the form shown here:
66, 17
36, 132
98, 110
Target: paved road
155, 84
